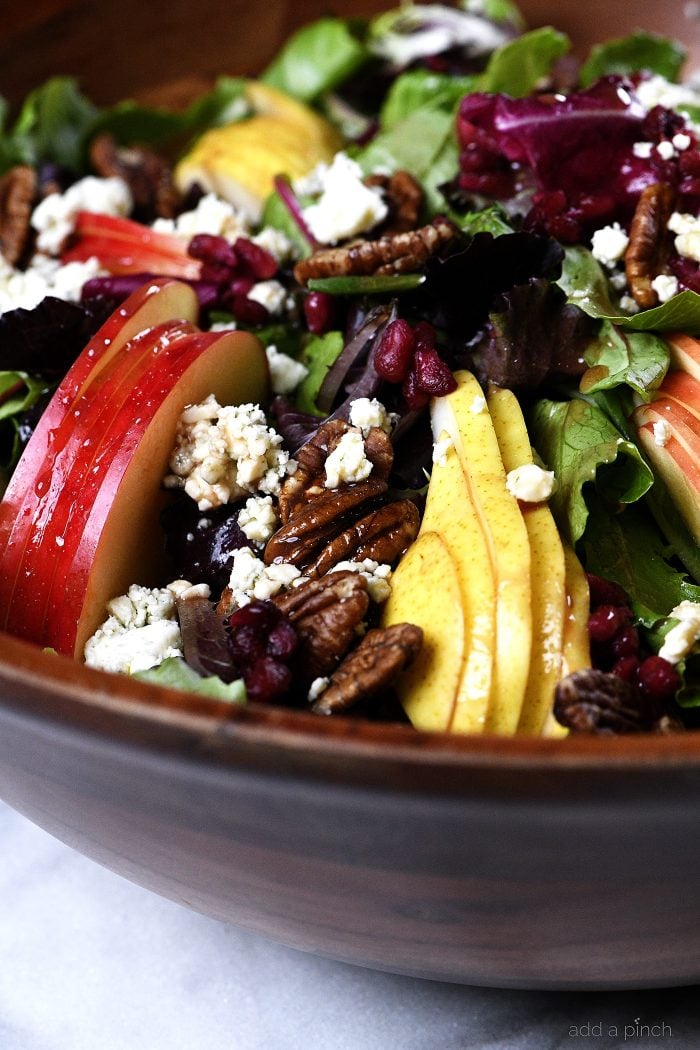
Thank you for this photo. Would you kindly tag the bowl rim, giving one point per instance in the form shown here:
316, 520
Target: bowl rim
53, 690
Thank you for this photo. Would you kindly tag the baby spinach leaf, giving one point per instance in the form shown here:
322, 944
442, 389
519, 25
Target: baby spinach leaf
629, 54
316, 59
54, 122
639, 359
319, 354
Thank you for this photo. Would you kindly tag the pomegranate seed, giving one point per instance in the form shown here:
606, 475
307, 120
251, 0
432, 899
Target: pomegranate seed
605, 592
626, 668
257, 261
606, 622
626, 643
394, 354
658, 679
248, 311
433, 376
212, 249
319, 311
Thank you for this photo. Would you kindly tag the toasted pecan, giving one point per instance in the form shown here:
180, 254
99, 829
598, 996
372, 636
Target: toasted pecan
649, 242
18, 191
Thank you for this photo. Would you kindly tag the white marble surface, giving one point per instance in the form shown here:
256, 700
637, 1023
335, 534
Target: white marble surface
90, 962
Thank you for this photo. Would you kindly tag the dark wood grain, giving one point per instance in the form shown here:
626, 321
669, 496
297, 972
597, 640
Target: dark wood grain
510, 862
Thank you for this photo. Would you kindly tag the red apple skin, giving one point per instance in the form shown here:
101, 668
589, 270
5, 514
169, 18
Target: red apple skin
73, 461
683, 388
159, 300
678, 461
125, 246
685, 353
119, 536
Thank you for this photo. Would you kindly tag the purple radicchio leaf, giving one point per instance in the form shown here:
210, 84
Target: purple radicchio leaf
295, 427
200, 544
205, 641
355, 351
47, 339
533, 335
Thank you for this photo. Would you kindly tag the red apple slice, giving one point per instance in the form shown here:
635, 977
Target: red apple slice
684, 389
159, 300
119, 536
677, 460
685, 352
72, 458
130, 246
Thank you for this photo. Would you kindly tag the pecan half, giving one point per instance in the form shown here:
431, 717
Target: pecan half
307, 482
18, 191
649, 242
404, 196
319, 521
601, 703
383, 535
325, 614
381, 655
145, 173
394, 253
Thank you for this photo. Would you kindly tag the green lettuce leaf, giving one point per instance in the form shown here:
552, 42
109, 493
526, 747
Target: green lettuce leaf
518, 67
316, 59
580, 444
491, 220
630, 54
318, 355
628, 548
638, 359
418, 88
176, 674
496, 10
54, 123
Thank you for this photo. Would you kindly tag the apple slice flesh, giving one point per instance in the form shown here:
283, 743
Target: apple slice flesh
73, 460
684, 389
120, 536
685, 352
425, 591
158, 301
677, 460
547, 569
450, 512
465, 417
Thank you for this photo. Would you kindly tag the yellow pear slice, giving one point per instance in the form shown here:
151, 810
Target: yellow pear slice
576, 649
239, 161
425, 591
547, 570
464, 415
450, 511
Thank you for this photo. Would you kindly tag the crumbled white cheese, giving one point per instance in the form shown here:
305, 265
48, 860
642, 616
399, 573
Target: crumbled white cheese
212, 215
423, 29
478, 405
44, 276
628, 304
222, 453
347, 462
657, 91
440, 450
609, 244
252, 578
285, 373
687, 229
366, 413
530, 483
140, 632
643, 150
682, 638
665, 286
346, 206
378, 576
666, 150
258, 519
270, 294
54, 216
662, 432
276, 243
681, 141
185, 590
318, 686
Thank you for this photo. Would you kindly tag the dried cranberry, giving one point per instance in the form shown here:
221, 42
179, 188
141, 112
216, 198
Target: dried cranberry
319, 311
415, 397
258, 262
626, 642
658, 679
626, 668
394, 354
262, 615
282, 641
241, 286
606, 622
433, 375
267, 680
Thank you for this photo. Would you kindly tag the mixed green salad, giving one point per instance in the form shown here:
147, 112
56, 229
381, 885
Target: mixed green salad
395, 207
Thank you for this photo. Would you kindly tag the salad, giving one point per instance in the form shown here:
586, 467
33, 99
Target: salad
368, 387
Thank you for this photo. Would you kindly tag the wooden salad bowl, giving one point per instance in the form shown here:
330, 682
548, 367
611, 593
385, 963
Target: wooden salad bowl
509, 862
